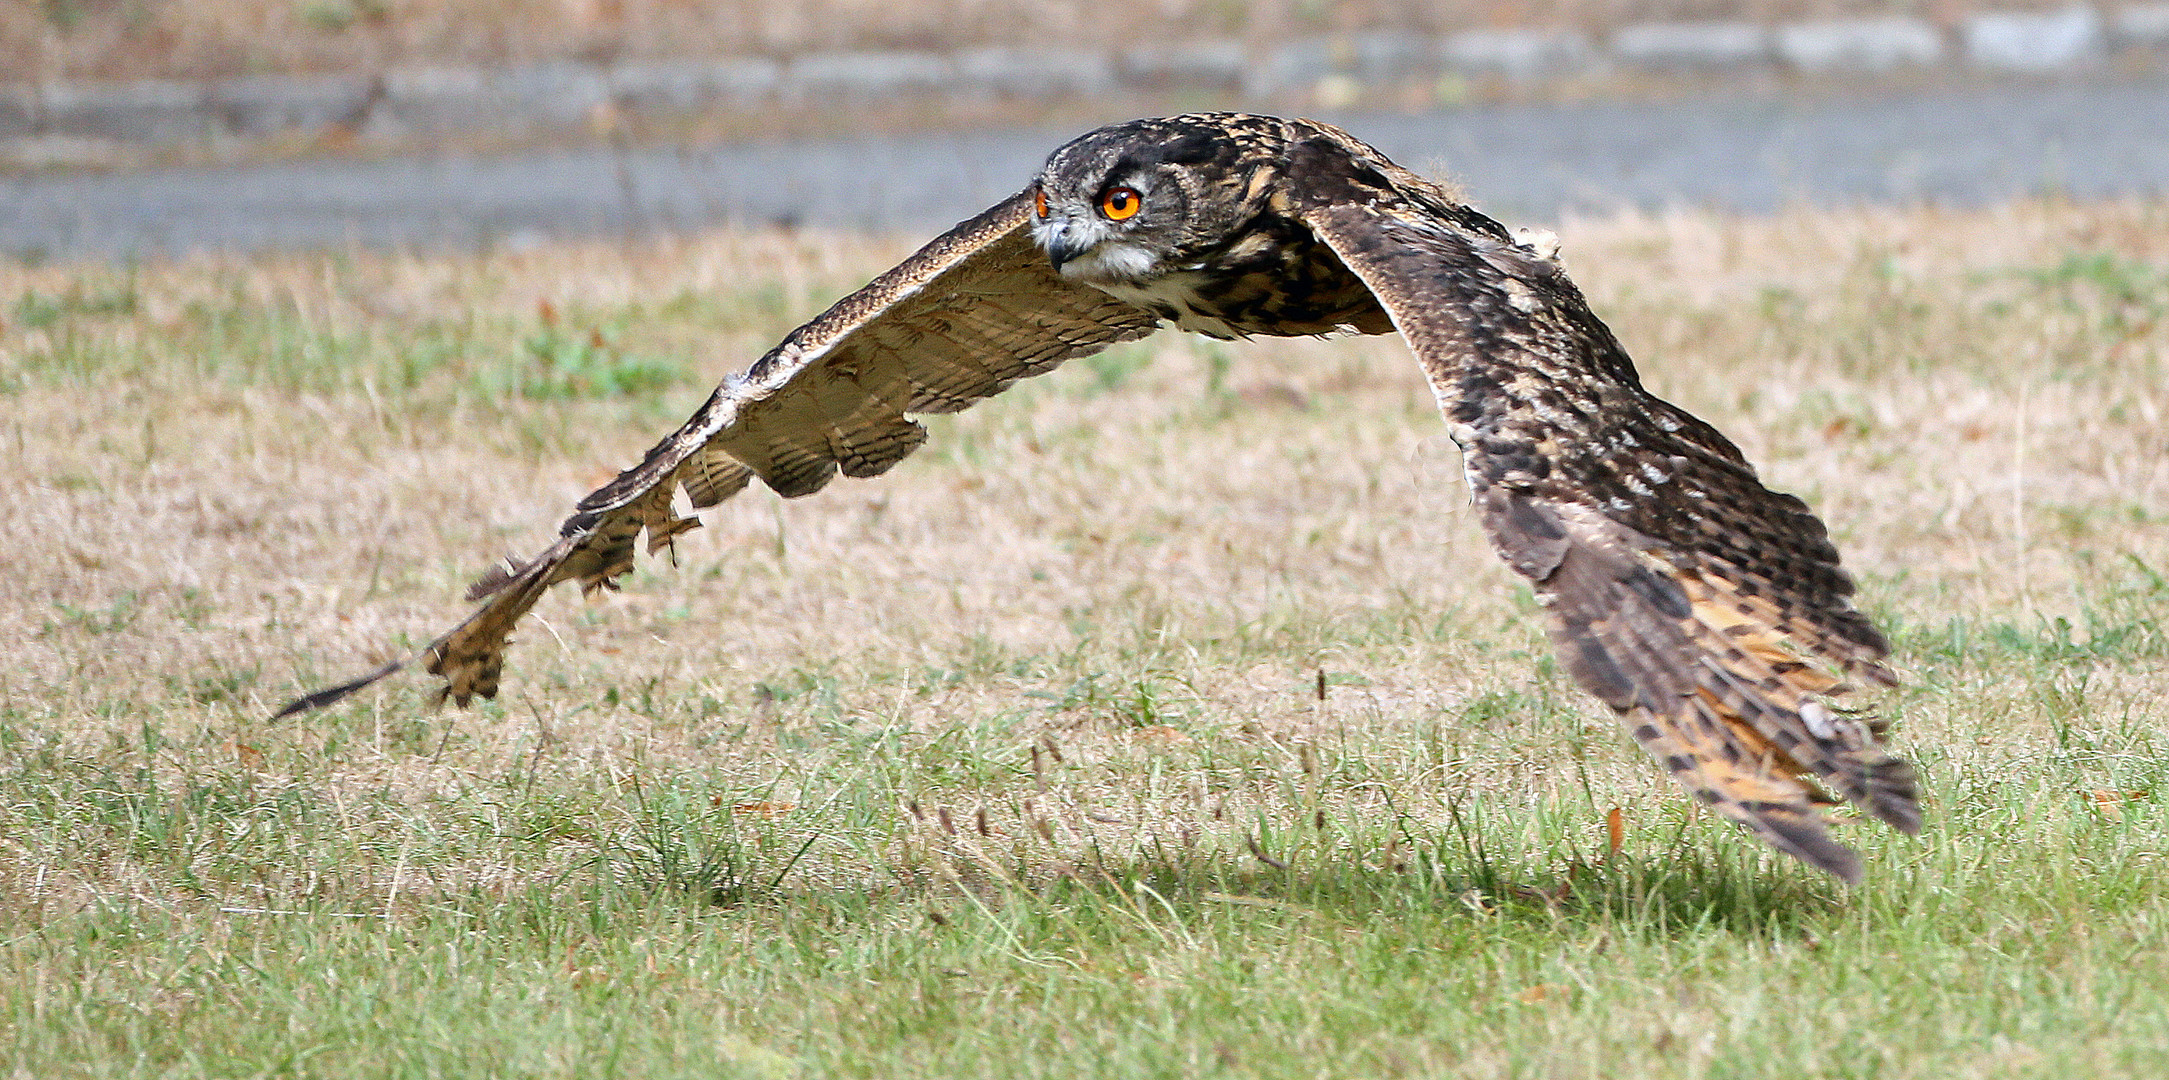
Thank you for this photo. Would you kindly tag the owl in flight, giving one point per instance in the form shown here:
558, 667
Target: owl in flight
1709, 611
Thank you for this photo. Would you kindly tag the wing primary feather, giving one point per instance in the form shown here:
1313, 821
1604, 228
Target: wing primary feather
713, 476
874, 449
330, 694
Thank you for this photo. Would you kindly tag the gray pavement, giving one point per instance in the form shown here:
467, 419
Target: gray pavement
1740, 151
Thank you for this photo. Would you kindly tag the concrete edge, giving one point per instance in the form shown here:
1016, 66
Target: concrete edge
444, 100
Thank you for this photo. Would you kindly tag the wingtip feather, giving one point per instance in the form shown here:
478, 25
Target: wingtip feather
332, 695
1811, 844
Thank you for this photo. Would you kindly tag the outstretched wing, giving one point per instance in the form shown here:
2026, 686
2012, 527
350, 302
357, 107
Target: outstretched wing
972, 312
1705, 608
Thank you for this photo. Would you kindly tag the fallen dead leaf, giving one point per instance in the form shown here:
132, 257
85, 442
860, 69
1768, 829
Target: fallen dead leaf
1161, 735
764, 809
2111, 803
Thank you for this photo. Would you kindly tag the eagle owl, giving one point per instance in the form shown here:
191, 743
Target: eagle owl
1707, 610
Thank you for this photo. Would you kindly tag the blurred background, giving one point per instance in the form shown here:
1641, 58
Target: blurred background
133, 127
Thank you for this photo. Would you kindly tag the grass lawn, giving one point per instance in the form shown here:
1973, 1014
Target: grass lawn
1167, 716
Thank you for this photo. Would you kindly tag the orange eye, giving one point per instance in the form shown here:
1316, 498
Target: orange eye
1039, 203
1121, 204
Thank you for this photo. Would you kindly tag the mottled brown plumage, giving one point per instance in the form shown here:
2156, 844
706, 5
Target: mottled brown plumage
1708, 610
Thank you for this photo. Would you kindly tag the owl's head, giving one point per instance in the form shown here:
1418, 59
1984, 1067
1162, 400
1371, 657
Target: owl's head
1131, 202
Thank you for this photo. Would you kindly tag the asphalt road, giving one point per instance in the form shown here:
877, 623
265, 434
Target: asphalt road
1953, 146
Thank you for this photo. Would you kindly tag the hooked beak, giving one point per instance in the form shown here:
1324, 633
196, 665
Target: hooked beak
1062, 246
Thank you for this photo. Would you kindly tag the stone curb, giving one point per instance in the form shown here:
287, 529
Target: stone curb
1692, 46
1868, 45
2035, 40
1333, 70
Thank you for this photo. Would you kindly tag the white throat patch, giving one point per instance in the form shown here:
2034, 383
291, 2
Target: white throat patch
1112, 262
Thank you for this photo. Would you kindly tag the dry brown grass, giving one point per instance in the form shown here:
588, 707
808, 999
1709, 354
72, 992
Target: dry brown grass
1029, 701
215, 38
